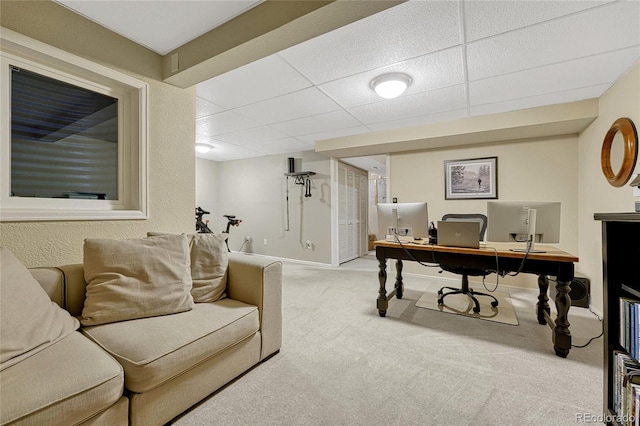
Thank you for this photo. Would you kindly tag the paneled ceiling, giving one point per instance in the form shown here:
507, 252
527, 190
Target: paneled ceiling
466, 58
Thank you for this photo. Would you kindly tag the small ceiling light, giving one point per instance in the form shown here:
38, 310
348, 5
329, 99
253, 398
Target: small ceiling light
203, 148
391, 85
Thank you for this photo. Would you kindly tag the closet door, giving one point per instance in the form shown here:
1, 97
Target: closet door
344, 225
363, 213
352, 211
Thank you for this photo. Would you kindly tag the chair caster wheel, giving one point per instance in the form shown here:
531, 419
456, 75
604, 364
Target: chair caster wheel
440, 302
476, 310
439, 293
494, 303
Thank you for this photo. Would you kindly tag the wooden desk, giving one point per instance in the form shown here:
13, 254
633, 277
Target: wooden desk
553, 262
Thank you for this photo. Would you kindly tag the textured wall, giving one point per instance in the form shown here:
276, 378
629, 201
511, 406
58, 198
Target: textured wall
532, 170
595, 193
171, 122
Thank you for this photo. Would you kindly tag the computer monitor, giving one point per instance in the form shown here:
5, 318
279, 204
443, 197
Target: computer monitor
524, 221
403, 219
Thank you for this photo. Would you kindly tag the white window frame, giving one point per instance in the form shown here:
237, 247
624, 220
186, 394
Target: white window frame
24, 52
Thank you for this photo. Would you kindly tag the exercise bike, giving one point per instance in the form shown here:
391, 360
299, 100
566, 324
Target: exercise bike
231, 221
202, 227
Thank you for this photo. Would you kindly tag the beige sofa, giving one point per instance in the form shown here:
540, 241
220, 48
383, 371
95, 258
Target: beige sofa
144, 371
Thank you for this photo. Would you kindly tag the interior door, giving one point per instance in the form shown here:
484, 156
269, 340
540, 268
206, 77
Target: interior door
352, 212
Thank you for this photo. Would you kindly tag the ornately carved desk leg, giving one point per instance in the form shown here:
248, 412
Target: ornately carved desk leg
561, 334
382, 293
543, 299
399, 284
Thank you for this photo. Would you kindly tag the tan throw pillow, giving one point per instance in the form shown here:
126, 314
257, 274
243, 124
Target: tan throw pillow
209, 261
29, 320
136, 278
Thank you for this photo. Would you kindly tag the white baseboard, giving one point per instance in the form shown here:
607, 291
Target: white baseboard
285, 259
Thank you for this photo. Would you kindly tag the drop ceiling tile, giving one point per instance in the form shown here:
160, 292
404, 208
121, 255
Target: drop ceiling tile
421, 120
317, 123
405, 31
163, 26
281, 146
487, 18
553, 78
313, 138
224, 122
441, 100
541, 100
428, 72
263, 79
299, 104
255, 135
205, 108
555, 41
227, 151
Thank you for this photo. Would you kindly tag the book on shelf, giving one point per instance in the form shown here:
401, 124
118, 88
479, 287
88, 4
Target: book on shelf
635, 397
626, 385
629, 323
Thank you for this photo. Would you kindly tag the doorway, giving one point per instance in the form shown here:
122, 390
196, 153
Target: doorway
353, 196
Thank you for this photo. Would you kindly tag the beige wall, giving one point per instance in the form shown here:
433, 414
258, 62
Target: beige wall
531, 170
255, 191
171, 122
207, 187
595, 193
561, 168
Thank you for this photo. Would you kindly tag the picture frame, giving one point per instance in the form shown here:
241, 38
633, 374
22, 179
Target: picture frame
471, 179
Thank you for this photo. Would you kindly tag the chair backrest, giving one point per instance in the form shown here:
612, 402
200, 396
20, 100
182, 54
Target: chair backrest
469, 217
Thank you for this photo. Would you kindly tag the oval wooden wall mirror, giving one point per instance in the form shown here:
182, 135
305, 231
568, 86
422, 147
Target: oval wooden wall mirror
622, 136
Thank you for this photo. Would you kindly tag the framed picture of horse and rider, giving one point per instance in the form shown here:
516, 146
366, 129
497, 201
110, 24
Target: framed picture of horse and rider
474, 178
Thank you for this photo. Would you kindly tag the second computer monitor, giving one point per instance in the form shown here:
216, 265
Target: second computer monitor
508, 221
403, 219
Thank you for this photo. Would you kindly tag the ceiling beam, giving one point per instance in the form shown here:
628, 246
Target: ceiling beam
268, 28
552, 120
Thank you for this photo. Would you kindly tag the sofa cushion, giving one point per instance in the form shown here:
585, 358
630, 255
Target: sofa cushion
154, 350
136, 278
67, 383
30, 320
209, 261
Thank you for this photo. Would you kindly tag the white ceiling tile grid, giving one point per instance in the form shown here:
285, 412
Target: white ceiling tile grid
466, 58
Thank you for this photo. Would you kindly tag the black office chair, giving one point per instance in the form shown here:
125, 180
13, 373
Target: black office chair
466, 272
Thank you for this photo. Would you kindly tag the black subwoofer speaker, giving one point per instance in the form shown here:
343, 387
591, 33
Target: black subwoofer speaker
579, 292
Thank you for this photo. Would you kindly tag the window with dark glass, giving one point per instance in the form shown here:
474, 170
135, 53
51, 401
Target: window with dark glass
64, 139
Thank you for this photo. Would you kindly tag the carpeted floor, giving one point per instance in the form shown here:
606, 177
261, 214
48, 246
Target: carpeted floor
459, 305
342, 364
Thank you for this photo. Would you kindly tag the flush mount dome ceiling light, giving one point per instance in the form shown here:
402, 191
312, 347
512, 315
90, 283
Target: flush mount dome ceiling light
203, 148
391, 85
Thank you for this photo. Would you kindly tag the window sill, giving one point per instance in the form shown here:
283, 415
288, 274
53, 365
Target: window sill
15, 215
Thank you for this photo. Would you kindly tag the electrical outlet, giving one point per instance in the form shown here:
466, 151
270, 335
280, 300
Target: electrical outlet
265, 241
309, 245
247, 239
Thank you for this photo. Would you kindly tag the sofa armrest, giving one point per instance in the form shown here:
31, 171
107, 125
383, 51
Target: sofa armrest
258, 281
52, 281
75, 288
